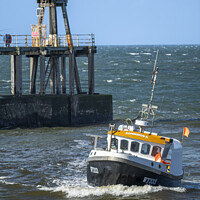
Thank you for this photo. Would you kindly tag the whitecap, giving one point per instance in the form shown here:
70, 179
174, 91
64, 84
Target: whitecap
6, 81
109, 81
184, 54
7, 182
132, 100
168, 54
146, 53
85, 63
134, 54
135, 80
3, 177
137, 61
121, 106
116, 64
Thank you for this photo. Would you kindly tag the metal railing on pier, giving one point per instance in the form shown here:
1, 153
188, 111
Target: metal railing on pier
56, 41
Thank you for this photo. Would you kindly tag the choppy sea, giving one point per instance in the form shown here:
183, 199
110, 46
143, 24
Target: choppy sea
50, 163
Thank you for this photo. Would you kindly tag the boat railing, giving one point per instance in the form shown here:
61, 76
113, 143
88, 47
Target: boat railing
94, 141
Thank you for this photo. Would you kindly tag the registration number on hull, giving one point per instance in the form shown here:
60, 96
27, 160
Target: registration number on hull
94, 170
150, 181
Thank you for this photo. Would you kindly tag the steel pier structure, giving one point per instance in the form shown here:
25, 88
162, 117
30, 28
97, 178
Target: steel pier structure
48, 56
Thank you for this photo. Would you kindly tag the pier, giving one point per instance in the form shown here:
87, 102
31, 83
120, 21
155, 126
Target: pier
47, 59
51, 101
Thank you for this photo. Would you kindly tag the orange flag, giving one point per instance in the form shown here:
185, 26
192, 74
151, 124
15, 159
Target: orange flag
186, 131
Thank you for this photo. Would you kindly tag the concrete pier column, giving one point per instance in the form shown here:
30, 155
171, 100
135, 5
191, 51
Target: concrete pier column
63, 75
71, 73
16, 75
42, 74
91, 72
33, 73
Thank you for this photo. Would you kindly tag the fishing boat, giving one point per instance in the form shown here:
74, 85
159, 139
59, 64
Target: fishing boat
134, 154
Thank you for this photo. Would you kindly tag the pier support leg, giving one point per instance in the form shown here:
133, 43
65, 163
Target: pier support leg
52, 75
53, 30
16, 75
42, 75
33, 72
70, 44
63, 74
91, 72
57, 73
71, 73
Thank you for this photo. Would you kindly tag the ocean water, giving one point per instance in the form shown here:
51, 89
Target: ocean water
50, 163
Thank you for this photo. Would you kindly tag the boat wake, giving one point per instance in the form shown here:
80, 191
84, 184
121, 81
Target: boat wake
191, 184
114, 190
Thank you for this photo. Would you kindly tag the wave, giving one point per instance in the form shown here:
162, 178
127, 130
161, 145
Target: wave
5, 81
135, 80
109, 81
146, 53
159, 120
134, 54
137, 61
3, 180
114, 190
132, 100
195, 184
177, 120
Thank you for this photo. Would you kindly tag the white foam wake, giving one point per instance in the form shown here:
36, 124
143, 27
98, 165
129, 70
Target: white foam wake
115, 190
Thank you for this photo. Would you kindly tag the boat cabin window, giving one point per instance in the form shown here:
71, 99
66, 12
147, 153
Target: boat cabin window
156, 150
169, 155
145, 148
114, 144
167, 152
124, 145
135, 146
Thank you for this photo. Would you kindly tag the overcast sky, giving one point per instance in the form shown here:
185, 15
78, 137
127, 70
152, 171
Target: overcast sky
114, 22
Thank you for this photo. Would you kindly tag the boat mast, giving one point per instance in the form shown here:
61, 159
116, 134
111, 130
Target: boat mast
153, 80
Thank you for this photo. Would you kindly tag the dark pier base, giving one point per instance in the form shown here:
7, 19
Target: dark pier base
32, 111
